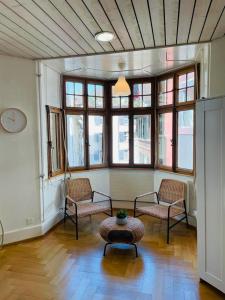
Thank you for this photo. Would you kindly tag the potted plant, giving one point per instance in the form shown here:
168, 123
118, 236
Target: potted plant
121, 217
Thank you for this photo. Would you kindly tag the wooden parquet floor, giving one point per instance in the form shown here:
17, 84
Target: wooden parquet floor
57, 266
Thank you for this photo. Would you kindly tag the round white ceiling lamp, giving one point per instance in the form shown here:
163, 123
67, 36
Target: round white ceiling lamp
104, 36
121, 88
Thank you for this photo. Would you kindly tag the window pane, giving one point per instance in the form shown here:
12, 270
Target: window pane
182, 95
190, 94
124, 102
116, 102
78, 101
165, 129
91, 89
75, 140
146, 88
137, 89
70, 101
185, 139
91, 102
137, 101
55, 140
79, 88
120, 139
169, 85
95, 130
142, 139
162, 86
99, 90
146, 101
190, 79
182, 81
74, 92
99, 102
70, 88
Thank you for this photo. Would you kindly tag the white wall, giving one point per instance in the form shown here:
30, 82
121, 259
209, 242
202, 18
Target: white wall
126, 184
50, 94
19, 168
217, 68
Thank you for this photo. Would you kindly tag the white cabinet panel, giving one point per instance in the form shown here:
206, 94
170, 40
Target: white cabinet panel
210, 150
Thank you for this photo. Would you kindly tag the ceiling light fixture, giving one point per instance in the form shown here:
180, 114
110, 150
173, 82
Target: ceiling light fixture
121, 88
104, 36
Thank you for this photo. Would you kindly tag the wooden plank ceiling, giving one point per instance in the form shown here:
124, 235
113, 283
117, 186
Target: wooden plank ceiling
60, 28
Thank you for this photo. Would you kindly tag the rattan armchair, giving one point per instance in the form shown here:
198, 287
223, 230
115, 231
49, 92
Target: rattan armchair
80, 201
169, 203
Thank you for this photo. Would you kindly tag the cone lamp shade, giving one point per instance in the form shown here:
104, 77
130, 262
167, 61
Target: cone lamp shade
121, 88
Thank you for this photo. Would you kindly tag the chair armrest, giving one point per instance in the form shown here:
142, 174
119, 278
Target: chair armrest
73, 202
144, 195
178, 201
95, 192
141, 196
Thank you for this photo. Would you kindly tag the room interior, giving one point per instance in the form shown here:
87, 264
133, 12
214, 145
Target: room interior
88, 122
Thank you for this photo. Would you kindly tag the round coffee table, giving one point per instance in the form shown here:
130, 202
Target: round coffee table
130, 233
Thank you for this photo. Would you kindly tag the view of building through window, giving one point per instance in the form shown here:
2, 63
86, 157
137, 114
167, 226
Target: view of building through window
165, 136
185, 139
142, 139
75, 140
120, 141
95, 130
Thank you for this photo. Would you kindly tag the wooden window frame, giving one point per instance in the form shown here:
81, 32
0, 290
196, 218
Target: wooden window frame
132, 111
175, 108
86, 111
108, 111
59, 128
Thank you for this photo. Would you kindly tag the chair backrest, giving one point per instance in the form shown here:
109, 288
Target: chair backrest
79, 189
171, 190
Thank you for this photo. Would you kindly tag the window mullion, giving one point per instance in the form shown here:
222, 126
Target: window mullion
174, 141
131, 140
86, 136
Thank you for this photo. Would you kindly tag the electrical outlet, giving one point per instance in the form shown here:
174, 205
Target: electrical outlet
29, 221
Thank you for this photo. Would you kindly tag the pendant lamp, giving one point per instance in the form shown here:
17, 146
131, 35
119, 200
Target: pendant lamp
121, 88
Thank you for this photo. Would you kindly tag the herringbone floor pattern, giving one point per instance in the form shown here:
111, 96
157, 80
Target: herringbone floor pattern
57, 266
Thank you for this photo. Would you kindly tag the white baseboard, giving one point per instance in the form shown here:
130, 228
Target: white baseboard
22, 234
50, 222
31, 231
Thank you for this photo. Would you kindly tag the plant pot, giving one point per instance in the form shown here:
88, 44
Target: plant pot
121, 221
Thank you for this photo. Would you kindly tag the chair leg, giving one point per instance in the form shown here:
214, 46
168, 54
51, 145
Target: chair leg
76, 228
136, 251
186, 216
105, 248
168, 230
64, 219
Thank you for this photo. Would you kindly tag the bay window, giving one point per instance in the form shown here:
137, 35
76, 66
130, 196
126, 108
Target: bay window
152, 128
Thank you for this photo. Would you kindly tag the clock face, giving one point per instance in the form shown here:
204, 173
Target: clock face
13, 120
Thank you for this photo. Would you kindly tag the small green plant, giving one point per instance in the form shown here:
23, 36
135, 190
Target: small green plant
122, 214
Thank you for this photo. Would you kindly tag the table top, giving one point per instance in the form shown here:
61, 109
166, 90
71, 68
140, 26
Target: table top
132, 224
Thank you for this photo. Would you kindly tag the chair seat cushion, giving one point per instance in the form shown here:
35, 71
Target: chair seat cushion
87, 209
160, 211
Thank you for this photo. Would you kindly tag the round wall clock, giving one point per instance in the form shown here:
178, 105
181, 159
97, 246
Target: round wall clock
13, 120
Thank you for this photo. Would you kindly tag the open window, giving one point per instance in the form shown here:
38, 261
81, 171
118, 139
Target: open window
55, 141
